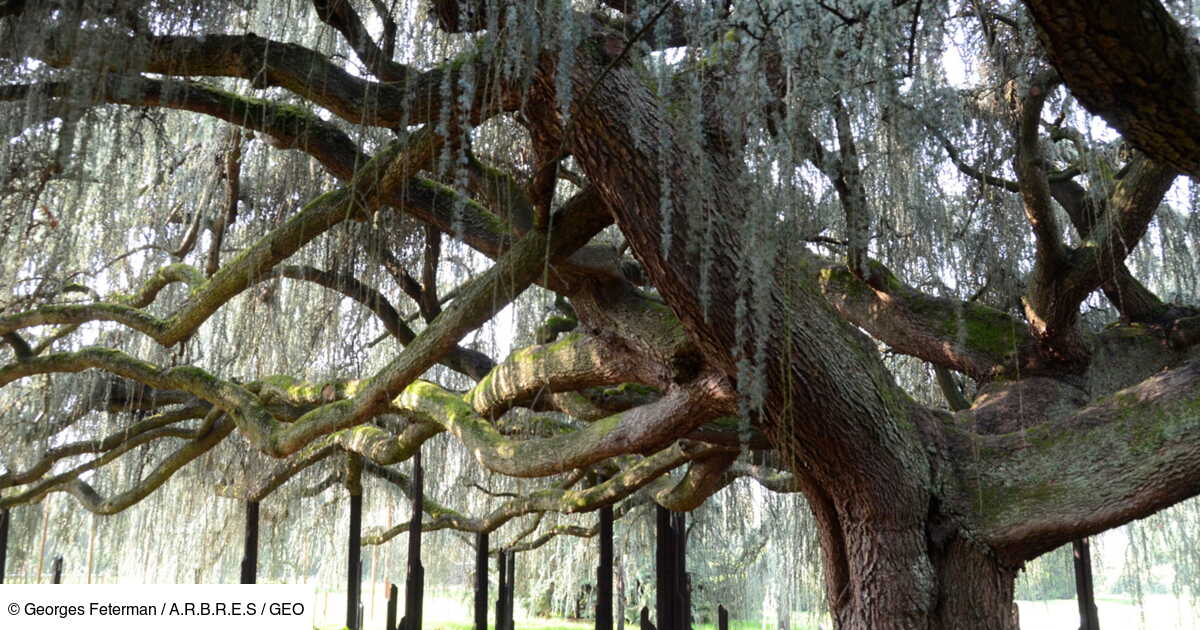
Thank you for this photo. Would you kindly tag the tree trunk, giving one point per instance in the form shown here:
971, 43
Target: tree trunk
966, 589
867, 459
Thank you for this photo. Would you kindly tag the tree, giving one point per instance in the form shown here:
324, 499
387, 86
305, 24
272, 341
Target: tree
811, 217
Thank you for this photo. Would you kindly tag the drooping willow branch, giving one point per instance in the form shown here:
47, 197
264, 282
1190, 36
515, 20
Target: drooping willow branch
416, 99
259, 489
287, 126
472, 363
208, 435
141, 432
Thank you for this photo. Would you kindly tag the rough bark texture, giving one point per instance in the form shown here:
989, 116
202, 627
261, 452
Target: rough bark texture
1131, 63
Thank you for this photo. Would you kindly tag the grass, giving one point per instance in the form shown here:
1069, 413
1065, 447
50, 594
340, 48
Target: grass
450, 609
1158, 611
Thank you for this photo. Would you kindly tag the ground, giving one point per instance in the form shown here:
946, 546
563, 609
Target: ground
449, 610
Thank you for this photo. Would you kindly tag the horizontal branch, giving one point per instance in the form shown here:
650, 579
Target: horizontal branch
288, 126
1121, 458
415, 99
704, 477
208, 435
971, 338
642, 429
472, 363
322, 213
566, 501
259, 489
572, 363
140, 432
623, 508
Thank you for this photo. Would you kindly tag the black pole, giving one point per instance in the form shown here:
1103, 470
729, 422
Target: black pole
1089, 617
510, 591
392, 597
414, 587
664, 566
57, 570
604, 574
481, 580
250, 549
3, 542
501, 592
722, 618
683, 608
644, 619
354, 563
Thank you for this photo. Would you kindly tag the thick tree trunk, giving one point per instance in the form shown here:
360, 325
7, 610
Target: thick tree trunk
868, 460
967, 589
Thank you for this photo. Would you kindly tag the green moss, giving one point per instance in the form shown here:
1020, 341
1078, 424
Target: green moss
280, 380
487, 221
981, 329
553, 326
630, 388
840, 280
531, 353
995, 502
189, 373
1149, 430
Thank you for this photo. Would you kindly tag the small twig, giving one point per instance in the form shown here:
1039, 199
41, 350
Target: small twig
492, 493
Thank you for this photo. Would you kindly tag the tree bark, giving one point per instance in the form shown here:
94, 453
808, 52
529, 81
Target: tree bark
826, 398
1131, 63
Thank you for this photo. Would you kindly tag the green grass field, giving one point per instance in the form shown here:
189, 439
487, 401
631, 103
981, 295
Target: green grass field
450, 610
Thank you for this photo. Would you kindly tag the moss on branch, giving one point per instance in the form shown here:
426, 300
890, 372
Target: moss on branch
1122, 457
977, 340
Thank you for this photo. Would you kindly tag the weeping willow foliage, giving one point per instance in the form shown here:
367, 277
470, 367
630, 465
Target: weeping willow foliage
104, 180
